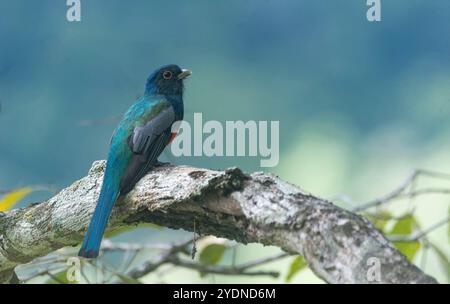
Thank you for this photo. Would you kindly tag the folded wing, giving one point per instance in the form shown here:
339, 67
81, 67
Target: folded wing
147, 142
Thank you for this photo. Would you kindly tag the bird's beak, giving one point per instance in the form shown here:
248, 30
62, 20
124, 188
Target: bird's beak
184, 74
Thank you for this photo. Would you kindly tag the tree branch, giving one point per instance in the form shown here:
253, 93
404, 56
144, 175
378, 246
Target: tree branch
228, 270
247, 208
399, 192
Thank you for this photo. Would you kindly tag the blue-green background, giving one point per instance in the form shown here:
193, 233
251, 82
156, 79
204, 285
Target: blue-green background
360, 104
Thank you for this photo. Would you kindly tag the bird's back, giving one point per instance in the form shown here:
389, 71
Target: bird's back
120, 153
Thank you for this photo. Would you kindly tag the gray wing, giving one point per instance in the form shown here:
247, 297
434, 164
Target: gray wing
147, 143
143, 137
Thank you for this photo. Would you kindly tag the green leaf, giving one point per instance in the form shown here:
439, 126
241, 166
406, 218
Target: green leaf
212, 254
408, 249
59, 278
297, 265
405, 227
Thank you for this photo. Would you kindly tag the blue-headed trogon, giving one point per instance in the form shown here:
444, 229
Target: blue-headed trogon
139, 139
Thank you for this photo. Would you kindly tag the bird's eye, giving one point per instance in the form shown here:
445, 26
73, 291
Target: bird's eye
167, 75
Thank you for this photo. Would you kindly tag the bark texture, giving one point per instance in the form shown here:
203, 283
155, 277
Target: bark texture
339, 246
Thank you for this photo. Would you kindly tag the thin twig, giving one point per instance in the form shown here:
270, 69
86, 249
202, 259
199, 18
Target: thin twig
263, 261
107, 245
224, 270
154, 264
399, 192
35, 188
383, 217
419, 235
41, 272
233, 270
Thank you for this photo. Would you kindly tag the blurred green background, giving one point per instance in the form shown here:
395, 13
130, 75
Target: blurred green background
360, 104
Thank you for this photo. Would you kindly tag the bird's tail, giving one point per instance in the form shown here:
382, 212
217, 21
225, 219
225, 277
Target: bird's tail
92, 240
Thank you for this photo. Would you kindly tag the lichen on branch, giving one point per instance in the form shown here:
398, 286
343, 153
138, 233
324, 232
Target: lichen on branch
254, 208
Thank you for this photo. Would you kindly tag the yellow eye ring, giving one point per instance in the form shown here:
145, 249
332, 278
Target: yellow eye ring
167, 75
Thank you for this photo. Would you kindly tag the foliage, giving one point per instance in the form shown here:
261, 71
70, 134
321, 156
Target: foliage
212, 254
405, 227
297, 265
10, 199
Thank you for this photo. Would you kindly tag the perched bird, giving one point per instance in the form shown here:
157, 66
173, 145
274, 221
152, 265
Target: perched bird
141, 136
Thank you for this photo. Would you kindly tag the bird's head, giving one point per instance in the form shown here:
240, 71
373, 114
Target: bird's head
167, 80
